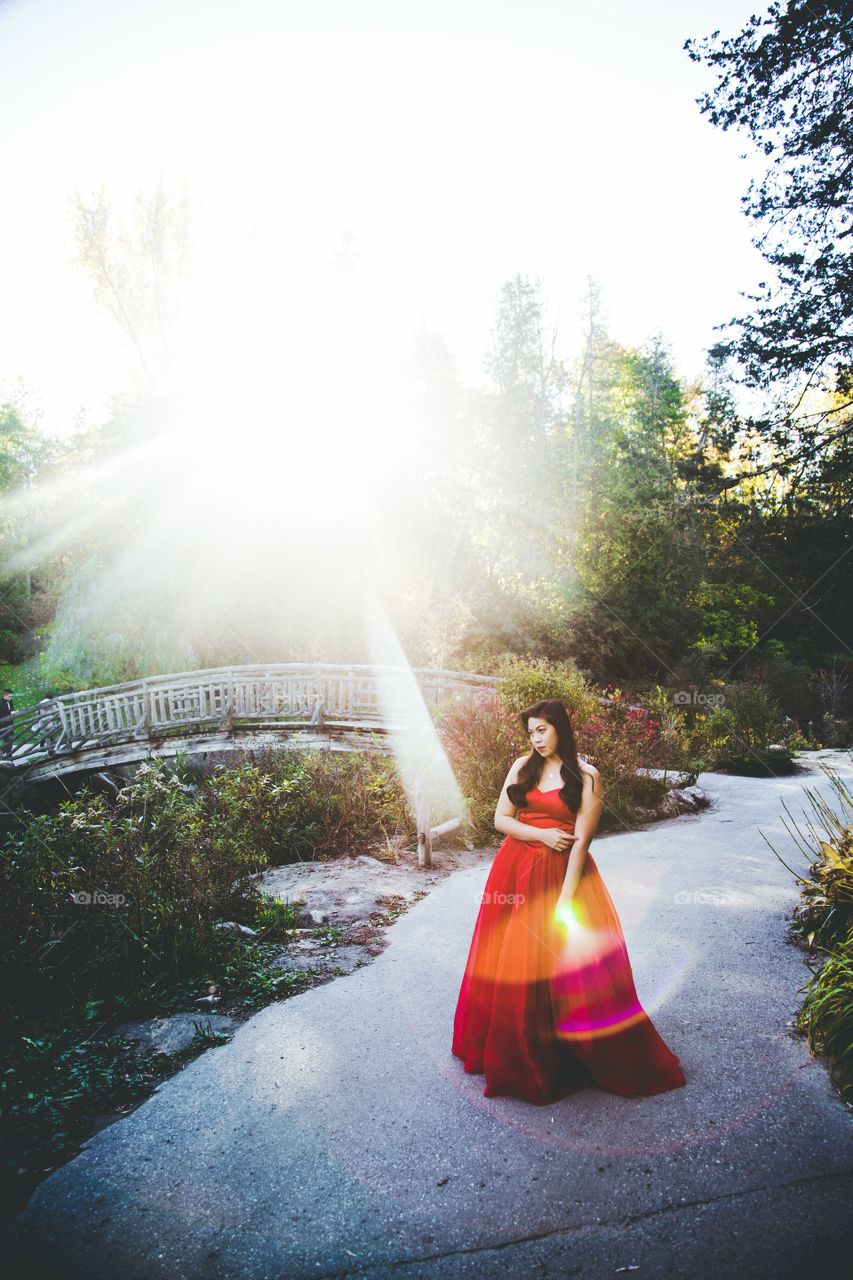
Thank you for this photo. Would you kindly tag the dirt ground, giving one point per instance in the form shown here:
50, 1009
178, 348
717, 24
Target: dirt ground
350, 901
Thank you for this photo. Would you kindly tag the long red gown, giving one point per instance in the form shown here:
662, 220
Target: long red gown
547, 1007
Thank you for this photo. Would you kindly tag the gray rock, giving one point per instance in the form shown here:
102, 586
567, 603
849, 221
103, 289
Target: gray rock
682, 800
670, 805
344, 889
174, 1033
231, 926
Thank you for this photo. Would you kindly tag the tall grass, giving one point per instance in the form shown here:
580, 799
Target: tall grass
823, 922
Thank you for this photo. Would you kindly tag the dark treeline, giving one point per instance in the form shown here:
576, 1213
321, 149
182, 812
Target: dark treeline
577, 508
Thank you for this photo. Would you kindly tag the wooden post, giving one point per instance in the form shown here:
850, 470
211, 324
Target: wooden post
423, 825
226, 724
64, 739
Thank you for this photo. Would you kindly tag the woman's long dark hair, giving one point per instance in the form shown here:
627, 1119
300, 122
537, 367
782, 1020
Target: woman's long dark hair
552, 710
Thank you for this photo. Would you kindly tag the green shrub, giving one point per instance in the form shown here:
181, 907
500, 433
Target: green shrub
325, 802
823, 921
797, 741
13, 647
826, 912
741, 731
158, 871
169, 860
826, 1015
525, 681
835, 732
788, 682
757, 720
276, 919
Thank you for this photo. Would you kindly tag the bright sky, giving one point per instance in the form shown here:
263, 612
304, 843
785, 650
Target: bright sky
458, 144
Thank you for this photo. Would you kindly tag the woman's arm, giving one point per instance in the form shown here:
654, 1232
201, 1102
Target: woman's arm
586, 824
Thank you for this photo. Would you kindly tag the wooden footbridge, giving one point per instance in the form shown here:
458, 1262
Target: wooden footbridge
335, 706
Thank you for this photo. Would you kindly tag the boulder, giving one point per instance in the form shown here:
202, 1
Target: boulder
231, 926
682, 800
174, 1033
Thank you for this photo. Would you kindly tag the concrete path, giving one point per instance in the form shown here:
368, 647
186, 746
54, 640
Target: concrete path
335, 1135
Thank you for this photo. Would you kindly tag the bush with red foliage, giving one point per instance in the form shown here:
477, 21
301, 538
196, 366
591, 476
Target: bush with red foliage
481, 742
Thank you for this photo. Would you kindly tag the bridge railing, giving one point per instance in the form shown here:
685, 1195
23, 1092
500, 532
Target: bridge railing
281, 694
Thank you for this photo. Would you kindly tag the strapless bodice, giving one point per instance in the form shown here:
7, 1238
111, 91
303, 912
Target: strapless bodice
546, 809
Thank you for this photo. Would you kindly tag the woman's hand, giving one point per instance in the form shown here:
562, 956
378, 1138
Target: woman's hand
557, 839
564, 907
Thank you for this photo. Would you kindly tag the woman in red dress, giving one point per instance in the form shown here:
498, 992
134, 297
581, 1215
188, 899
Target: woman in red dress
548, 1003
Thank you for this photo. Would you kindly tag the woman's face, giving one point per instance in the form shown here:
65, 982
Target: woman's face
543, 736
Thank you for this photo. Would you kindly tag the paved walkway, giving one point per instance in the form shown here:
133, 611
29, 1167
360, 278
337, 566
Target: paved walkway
335, 1135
